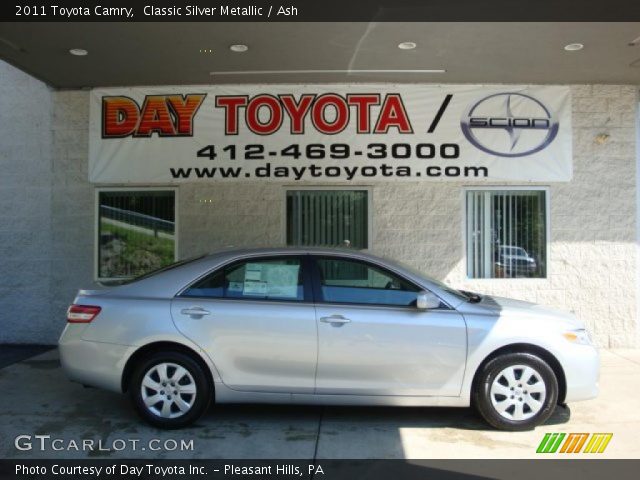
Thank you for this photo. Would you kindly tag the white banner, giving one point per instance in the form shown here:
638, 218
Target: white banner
330, 133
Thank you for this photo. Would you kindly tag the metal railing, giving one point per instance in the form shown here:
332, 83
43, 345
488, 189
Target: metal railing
137, 219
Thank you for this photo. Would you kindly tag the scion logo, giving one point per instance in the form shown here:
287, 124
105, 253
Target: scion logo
530, 126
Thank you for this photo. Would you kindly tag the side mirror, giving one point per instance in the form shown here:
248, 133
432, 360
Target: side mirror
427, 301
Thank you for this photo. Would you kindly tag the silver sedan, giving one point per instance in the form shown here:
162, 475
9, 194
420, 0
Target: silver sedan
322, 326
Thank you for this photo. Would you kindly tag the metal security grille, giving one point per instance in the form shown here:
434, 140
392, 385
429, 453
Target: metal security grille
506, 234
328, 218
136, 232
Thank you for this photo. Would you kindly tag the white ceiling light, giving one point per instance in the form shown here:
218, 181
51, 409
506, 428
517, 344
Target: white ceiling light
573, 47
407, 45
239, 48
78, 52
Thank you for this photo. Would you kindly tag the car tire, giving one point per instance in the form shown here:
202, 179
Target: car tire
170, 390
515, 391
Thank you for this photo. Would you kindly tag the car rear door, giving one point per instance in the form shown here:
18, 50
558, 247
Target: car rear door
255, 319
372, 340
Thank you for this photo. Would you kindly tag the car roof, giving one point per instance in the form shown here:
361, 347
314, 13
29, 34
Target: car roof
239, 252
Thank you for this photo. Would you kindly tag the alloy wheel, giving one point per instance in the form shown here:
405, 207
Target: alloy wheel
168, 390
518, 392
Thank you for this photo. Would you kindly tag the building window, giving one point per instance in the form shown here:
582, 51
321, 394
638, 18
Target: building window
506, 233
136, 232
328, 218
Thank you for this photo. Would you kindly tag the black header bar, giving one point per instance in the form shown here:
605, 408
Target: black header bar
287, 469
320, 11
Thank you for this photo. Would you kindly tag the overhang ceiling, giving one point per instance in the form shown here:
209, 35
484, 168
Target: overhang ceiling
178, 53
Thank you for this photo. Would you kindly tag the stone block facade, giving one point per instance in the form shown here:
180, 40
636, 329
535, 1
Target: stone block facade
47, 220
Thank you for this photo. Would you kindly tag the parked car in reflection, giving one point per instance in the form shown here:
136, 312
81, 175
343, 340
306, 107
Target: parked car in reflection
322, 326
514, 261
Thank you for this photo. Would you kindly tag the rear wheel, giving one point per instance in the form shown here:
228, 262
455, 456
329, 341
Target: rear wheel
170, 390
516, 391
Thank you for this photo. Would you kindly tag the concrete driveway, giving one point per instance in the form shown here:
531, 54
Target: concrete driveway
37, 399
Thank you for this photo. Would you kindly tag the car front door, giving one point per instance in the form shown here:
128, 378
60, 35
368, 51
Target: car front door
372, 340
256, 320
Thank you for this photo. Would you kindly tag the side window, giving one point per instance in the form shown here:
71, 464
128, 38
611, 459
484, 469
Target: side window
210, 286
352, 281
273, 279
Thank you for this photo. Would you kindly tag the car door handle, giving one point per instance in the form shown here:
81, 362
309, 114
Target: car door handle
195, 311
335, 320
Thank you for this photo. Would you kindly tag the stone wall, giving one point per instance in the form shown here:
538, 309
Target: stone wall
592, 254
25, 208
72, 202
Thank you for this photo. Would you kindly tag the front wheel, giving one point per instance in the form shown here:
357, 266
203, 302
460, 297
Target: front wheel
170, 390
516, 391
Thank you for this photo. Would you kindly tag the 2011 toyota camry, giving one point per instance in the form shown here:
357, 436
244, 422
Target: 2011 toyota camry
322, 326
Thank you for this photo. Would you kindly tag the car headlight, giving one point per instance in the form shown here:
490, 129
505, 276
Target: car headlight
579, 336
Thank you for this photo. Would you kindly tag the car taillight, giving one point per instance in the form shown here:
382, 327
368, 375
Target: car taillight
82, 313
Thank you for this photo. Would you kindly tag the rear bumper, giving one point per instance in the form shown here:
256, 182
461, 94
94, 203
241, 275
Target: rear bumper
91, 363
582, 371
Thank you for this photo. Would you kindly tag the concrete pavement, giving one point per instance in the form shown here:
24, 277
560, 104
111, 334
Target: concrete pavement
37, 399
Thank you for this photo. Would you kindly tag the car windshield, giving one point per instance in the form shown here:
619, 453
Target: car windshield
463, 296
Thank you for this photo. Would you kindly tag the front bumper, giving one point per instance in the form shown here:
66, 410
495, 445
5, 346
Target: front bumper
581, 365
96, 364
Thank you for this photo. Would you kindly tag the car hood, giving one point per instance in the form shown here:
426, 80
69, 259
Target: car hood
509, 307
